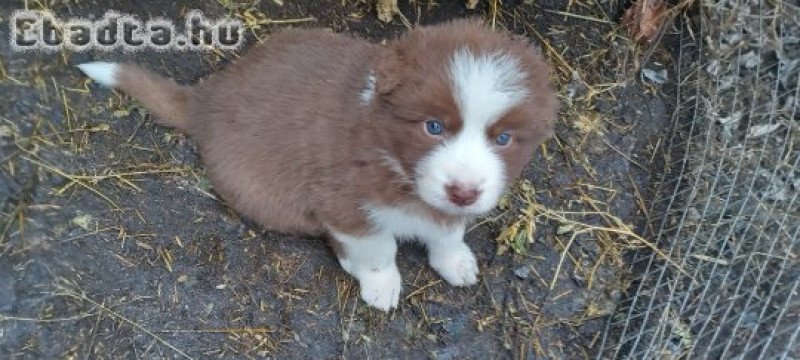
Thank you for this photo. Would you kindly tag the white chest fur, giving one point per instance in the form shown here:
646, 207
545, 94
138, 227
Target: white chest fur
409, 222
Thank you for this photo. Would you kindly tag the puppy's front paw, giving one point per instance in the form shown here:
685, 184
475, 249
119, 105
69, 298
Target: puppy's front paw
458, 266
381, 288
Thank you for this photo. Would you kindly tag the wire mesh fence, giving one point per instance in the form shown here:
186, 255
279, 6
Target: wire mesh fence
729, 197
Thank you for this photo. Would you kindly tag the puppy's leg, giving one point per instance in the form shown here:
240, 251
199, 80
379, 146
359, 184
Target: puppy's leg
371, 260
450, 256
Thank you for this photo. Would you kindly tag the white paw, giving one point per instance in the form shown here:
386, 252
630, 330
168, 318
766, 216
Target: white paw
458, 266
381, 288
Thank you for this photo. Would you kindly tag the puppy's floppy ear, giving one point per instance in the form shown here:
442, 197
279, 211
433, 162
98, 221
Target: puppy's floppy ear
389, 70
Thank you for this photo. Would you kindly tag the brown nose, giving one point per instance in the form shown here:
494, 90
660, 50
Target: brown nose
462, 195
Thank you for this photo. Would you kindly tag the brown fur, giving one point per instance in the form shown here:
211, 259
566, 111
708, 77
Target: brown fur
164, 98
287, 141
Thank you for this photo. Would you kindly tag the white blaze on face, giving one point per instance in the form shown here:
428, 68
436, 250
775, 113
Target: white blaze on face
485, 87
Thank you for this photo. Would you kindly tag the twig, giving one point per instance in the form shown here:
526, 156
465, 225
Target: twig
37, 320
421, 289
582, 17
564, 256
261, 330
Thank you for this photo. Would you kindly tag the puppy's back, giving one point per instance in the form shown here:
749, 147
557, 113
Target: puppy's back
276, 128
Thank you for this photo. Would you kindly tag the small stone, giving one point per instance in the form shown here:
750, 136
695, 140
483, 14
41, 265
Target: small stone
83, 221
616, 295
750, 60
522, 272
693, 214
5, 131
603, 307
455, 326
386, 10
656, 76
761, 130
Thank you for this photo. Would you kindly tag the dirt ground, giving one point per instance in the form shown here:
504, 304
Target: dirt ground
113, 244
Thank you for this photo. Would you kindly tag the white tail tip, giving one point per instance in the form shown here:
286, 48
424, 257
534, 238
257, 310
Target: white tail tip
102, 72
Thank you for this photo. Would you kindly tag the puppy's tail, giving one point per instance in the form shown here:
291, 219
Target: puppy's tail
163, 97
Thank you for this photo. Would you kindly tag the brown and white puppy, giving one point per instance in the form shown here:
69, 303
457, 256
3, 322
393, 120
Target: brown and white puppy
315, 132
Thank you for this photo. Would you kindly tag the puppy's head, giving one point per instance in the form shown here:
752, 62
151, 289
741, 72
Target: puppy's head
464, 108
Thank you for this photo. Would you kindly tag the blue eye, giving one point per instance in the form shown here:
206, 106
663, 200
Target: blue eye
434, 127
503, 139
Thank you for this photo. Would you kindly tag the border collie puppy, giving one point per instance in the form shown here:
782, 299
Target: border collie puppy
314, 132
